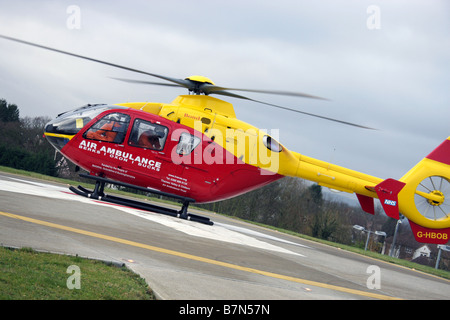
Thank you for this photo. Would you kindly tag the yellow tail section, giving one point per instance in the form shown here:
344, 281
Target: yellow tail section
422, 195
425, 199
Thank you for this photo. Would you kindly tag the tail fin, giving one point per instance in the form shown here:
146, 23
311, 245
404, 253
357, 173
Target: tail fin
422, 195
387, 191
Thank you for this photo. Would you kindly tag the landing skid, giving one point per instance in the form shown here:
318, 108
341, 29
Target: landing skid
98, 193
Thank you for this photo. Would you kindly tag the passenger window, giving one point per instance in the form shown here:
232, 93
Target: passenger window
148, 135
187, 143
111, 128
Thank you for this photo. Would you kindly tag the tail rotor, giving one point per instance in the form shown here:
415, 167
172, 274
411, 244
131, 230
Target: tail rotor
432, 198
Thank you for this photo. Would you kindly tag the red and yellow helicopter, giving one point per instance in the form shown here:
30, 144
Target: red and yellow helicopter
194, 149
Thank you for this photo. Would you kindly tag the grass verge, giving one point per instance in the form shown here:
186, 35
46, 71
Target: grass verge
29, 275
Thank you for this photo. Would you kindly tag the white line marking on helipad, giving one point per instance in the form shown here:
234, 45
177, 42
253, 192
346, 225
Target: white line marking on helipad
258, 234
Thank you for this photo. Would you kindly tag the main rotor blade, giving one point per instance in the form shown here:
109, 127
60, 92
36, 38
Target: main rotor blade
192, 85
180, 82
211, 89
204, 88
229, 94
146, 82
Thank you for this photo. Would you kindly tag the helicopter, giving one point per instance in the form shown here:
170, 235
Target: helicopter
195, 149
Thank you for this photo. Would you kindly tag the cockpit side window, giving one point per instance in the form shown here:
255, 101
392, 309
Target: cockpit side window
148, 135
187, 143
111, 128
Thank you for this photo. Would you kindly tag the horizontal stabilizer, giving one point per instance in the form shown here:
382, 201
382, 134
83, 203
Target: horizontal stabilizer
387, 192
427, 235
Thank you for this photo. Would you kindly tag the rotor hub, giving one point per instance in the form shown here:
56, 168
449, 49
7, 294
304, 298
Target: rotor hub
198, 84
438, 199
201, 79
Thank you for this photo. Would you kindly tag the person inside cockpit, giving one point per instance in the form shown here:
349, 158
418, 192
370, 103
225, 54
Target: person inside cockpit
110, 129
105, 133
150, 139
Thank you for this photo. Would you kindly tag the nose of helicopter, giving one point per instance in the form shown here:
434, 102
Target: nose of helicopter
59, 131
66, 125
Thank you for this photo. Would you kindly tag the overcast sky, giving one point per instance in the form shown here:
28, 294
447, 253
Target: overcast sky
383, 64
